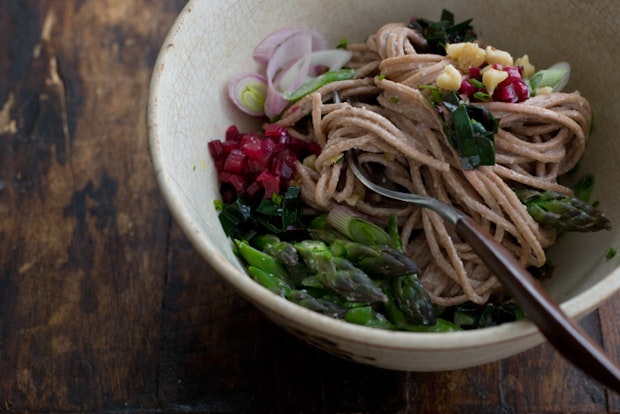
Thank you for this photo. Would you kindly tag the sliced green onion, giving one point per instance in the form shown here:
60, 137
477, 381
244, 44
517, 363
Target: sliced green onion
555, 77
318, 82
356, 228
482, 96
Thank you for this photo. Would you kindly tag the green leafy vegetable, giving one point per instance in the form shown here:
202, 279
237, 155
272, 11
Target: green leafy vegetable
583, 188
471, 131
243, 219
473, 316
440, 33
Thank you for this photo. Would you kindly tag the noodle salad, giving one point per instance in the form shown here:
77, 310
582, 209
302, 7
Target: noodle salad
448, 116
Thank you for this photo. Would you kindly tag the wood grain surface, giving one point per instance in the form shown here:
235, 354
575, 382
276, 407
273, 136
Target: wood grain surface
104, 304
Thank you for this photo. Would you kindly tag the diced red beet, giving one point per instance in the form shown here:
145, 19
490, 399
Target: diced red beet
228, 146
250, 164
255, 166
215, 148
235, 162
224, 176
314, 148
251, 145
219, 164
276, 132
282, 169
238, 181
299, 147
253, 189
268, 145
270, 182
233, 134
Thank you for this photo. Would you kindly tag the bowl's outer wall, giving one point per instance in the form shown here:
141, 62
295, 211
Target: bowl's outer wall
212, 40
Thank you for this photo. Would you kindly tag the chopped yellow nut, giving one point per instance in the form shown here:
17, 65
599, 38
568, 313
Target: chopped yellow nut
493, 77
498, 56
545, 90
466, 54
528, 68
450, 78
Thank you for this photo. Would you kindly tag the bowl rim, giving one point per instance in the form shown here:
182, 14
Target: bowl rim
576, 307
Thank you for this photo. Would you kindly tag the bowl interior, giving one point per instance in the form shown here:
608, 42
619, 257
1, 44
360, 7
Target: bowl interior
213, 40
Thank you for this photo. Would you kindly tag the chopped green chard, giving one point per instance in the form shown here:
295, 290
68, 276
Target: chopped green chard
440, 33
470, 129
243, 219
583, 188
472, 316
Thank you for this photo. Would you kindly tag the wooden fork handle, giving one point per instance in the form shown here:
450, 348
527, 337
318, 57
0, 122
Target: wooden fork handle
561, 331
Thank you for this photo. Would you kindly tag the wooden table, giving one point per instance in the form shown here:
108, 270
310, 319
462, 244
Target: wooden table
104, 304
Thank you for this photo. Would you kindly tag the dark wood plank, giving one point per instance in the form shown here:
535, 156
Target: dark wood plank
609, 313
541, 380
83, 228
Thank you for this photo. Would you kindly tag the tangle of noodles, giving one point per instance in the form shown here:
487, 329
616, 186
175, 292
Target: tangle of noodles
391, 122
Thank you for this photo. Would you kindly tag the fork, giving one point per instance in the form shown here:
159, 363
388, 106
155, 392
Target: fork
563, 333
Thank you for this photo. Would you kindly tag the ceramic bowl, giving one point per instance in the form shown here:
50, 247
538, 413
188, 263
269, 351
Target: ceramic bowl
212, 40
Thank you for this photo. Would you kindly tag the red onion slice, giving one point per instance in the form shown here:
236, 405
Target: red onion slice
266, 48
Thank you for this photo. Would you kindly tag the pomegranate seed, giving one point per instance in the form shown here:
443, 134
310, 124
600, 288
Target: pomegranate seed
467, 88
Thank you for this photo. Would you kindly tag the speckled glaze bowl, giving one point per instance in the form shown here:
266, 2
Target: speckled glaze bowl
212, 40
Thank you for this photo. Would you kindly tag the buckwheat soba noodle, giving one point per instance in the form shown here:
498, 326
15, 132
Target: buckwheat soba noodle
383, 113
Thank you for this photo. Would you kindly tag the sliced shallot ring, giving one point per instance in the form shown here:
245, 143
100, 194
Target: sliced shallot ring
266, 48
238, 88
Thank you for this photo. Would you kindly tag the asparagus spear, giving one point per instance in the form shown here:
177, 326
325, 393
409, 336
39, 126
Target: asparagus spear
412, 300
320, 305
283, 251
260, 259
379, 260
301, 297
338, 274
356, 228
368, 316
286, 253
562, 212
392, 231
